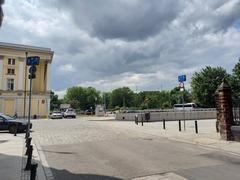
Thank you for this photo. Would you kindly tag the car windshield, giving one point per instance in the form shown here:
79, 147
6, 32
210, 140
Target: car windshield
7, 117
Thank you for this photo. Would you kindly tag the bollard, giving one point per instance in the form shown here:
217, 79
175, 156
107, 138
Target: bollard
196, 127
28, 142
16, 129
33, 171
142, 120
217, 126
164, 124
29, 158
136, 119
27, 134
179, 125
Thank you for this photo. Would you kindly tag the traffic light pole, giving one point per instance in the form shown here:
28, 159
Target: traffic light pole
29, 107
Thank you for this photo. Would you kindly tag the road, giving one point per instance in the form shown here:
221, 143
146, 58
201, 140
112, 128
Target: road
106, 149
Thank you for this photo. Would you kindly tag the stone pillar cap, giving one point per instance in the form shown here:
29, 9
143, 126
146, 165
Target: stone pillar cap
224, 85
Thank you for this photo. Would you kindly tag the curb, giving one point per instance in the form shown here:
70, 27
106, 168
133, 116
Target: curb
44, 171
210, 146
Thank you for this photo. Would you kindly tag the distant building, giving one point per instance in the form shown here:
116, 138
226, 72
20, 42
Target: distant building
100, 111
14, 82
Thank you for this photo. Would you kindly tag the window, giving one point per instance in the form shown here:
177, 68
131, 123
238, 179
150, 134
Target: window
10, 84
11, 71
11, 61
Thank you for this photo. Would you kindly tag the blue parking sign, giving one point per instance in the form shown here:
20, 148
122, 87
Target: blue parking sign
182, 78
33, 60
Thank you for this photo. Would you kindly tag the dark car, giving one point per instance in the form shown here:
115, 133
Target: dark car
89, 112
10, 124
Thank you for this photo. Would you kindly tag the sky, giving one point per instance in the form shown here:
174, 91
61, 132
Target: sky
142, 44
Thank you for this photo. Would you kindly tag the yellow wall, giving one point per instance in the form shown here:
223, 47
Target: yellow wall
12, 102
9, 107
39, 84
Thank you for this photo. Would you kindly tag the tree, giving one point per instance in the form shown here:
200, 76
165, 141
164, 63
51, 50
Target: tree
235, 84
177, 97
205, 83
122, 97
54, 102
106, 96
82, 98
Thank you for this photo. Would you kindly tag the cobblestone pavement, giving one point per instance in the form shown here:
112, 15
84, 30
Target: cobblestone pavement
96, 148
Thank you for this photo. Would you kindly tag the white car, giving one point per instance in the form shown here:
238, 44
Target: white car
56, 115
69, 113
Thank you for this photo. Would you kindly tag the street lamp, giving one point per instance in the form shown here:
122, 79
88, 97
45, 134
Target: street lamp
1, 11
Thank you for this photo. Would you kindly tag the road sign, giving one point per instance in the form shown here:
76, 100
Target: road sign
33, 60
182, 78
181, 85
32, 69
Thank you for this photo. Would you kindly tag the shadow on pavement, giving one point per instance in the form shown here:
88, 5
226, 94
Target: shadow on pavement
64, 174
11, 169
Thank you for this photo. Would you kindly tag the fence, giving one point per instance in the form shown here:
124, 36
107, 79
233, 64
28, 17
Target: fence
170, 115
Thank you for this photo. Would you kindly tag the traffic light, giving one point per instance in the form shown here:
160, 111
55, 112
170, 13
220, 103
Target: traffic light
32, 72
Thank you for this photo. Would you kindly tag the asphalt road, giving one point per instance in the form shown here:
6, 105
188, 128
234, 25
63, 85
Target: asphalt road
87, 149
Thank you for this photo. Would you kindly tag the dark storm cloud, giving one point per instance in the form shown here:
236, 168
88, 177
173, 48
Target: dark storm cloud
108, 19
112, 43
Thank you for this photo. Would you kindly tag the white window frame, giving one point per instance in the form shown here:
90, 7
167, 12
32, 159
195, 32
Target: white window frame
11, 61
10, 84
10, 71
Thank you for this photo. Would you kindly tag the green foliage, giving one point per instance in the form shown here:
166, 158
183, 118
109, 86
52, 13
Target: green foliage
177, 97
82, 98
205, 83
54, 102
122, 97
235, 84
106, 98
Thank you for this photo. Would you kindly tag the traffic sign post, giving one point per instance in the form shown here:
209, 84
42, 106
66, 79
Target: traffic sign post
32, 62
181, 80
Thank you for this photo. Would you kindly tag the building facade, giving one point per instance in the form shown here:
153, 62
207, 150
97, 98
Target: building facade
14, 82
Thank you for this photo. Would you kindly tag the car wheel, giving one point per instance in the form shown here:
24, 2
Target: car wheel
12, 129
74, 117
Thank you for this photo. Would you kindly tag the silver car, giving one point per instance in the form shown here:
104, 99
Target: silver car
56, 115
69, 113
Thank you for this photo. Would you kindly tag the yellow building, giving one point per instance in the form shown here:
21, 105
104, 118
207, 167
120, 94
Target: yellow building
14, 82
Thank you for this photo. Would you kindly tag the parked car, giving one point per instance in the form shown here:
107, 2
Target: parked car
56, 115
69, 113
89, 112
10, 124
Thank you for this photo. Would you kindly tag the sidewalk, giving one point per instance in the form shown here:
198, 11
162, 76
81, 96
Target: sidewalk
207, 135
12, 160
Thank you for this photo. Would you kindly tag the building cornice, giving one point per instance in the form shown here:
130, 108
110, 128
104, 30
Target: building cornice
20, 51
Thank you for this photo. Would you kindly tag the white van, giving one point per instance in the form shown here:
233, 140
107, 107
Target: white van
187, 106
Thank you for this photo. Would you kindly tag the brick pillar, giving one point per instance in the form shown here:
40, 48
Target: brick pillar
217, 109
225, 112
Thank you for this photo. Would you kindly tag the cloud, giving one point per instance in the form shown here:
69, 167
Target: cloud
66, 68
122, 19
108, 44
